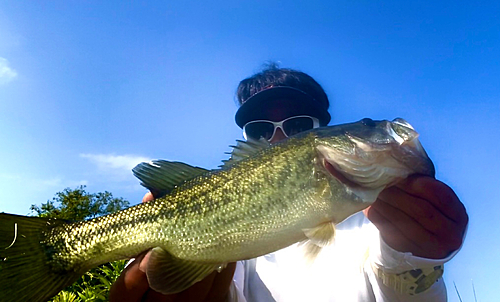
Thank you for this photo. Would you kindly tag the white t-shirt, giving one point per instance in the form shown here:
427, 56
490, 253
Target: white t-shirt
341, 272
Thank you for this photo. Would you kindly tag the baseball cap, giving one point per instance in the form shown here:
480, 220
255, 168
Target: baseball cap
304, 104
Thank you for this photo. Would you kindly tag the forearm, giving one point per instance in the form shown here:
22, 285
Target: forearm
389, 274
436, 293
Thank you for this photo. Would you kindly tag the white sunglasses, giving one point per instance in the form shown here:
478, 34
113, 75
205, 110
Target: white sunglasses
289, 126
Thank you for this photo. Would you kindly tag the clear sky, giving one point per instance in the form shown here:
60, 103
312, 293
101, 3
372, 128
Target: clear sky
90, 88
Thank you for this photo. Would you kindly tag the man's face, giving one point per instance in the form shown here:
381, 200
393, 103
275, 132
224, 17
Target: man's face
281, 109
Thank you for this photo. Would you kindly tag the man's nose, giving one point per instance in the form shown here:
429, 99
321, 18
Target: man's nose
279, 135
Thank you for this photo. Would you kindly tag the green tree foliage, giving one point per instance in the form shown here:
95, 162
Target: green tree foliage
76, 205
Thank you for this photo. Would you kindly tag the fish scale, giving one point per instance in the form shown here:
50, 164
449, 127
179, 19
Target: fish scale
264, 198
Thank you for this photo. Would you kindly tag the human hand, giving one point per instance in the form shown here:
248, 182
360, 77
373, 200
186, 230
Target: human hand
132, 284
420, 215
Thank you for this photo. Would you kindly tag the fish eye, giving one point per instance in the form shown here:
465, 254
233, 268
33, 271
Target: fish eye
368, 122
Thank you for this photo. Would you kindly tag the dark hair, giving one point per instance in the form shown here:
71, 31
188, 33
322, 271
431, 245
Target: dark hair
273, 76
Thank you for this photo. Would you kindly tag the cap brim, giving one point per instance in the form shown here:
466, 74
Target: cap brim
303, 102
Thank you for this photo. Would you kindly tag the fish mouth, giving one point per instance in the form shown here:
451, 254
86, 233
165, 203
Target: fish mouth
404, 133
402, 122
375, 155
366, 184
411, 151
338, 174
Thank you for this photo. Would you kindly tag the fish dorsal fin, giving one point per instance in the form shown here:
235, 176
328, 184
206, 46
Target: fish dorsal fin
318, 237
245, 149
161, 176
168, 274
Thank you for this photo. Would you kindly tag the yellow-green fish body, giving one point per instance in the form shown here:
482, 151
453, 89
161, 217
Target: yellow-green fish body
266, 197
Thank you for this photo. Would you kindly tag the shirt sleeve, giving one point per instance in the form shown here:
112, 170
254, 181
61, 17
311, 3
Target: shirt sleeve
237, 286
390, 261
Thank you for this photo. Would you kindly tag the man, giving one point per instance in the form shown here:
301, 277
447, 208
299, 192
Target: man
420, 224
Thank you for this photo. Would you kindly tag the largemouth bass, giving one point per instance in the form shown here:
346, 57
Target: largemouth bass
264, 198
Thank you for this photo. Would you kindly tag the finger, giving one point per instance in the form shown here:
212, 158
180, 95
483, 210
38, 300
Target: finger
405, 235
397, 239
148, 197
144, 258
439, 194
197, 292
131, 285
154, 296
221, 283
420, 210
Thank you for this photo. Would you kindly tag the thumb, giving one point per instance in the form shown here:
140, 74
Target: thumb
365, 211
143, 266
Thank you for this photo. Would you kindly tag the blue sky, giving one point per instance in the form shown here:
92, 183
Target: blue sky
87, 90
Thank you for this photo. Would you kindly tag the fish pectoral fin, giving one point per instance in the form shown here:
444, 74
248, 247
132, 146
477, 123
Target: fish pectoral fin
318, 237
168, 274
161, 176
321, 235
311, 250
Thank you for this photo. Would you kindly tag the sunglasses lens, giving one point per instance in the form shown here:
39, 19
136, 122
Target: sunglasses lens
256, 130
297, 124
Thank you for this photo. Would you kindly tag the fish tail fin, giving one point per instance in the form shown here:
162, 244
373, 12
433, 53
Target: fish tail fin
25, 271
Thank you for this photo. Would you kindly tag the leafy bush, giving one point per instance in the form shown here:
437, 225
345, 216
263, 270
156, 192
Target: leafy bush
94, 285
